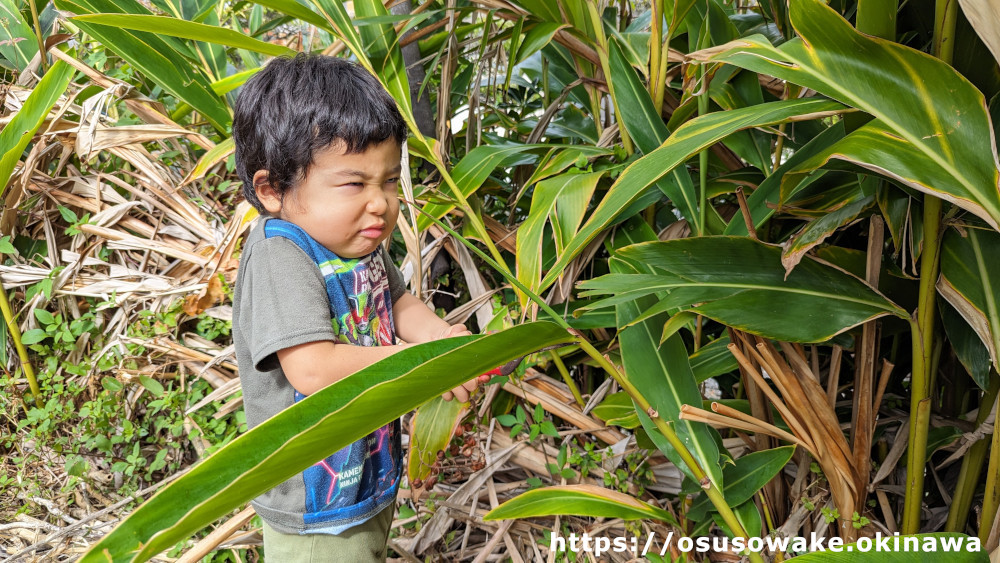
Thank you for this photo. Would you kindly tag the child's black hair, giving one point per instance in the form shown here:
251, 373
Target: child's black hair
295, 107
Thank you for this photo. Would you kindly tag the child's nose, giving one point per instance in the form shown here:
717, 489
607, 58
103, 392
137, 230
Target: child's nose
377, 203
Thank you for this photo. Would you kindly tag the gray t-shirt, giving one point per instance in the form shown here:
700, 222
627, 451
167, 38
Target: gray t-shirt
280, 301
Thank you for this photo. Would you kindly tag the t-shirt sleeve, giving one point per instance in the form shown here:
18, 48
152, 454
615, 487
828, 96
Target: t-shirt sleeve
283, 302
397, 286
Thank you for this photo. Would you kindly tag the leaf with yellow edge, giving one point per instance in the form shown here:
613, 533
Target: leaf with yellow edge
578, 500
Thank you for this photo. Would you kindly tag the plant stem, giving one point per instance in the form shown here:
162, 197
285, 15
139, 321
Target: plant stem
922, 330
991, 499
22, 352
567, 378
38, 35
972, 466
711, 489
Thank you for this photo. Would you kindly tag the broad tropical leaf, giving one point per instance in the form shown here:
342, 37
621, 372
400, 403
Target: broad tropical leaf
741, 283
970, 281
311, 429
662, 374
687, 140
433, 426
17, 133
932, 130
578, 500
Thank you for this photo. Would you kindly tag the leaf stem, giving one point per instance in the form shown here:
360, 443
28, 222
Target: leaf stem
22, 352
567, 378
922, 329
972, 466
38, 35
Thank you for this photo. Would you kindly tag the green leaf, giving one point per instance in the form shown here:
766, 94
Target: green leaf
433, 426
17, 39
470, 173
645, 126
18, 132
156, 57
966, 343
687, 140
33, 336
956, 548
151, 385
740, 282
111, 384
536, 38
713, 359
578, 500
175, 27
321, 424
662, 374
970, 281
931, 129
745, 477
44, 317
561, 200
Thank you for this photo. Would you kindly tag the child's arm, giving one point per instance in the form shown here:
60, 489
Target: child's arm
312, 366
416, 323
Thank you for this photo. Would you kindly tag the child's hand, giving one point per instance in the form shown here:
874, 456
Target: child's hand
464, 391
454, 330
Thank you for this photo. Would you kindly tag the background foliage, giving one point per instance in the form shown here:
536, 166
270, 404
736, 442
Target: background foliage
767, 224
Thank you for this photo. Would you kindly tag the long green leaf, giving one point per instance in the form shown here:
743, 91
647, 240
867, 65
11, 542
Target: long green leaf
470, 173
932, 129
16, 135
561, 200
687, 140
382, 47
154, 56
297, 11
309, 430
188, 30
645, 126
663, 375
970, 281
578, 500
741, 283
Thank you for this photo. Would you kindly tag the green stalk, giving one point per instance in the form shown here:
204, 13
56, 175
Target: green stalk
972, 466
711, 489
922, 330
567, 379
22, 352
655, 49
38, 36
991, 500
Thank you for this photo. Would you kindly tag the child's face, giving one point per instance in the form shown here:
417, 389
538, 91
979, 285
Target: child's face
347, 202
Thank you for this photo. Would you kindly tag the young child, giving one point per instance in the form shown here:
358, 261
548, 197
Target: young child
318, 147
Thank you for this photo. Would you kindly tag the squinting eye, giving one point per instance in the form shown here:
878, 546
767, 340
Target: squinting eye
392, 181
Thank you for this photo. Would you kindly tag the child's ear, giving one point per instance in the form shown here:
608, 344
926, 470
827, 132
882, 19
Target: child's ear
266, 193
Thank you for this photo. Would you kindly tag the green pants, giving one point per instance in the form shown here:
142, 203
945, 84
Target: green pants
360, 544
